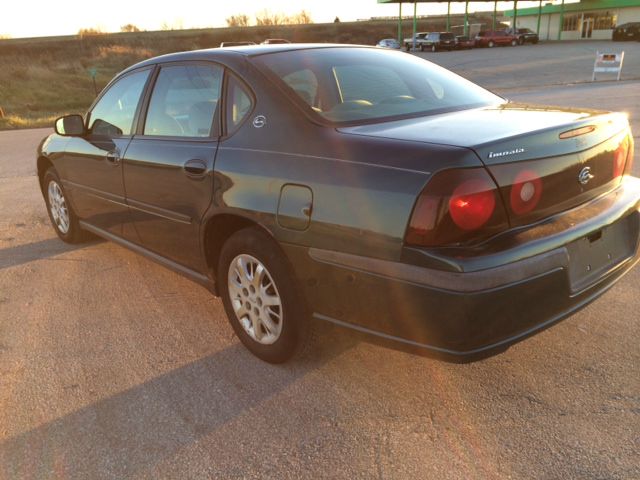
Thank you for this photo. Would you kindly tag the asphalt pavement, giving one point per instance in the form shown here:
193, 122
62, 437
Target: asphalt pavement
113, 367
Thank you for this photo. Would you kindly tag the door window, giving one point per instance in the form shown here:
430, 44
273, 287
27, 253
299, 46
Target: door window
184, 101
114, 113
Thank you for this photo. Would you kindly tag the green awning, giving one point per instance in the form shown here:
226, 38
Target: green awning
582, 6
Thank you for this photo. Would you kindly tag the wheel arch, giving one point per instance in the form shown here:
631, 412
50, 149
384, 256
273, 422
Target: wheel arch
218, 229
43, 164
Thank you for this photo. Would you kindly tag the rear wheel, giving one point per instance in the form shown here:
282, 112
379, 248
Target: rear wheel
433, 48
63, 218
514, 42
491, 44
261, 298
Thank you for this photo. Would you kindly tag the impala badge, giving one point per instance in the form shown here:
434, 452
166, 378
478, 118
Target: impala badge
585, 175
506, 153
260, 121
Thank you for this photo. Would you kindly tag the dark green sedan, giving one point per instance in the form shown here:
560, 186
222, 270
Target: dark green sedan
357, 186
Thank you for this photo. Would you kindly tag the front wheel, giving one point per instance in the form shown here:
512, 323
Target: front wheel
63, 218
433, 48
514, 42
491, 44
261, 298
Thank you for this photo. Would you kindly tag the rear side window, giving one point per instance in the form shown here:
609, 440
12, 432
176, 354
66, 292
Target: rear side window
113, 114
239, 103
184, 101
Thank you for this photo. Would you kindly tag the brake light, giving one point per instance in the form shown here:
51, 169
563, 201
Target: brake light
472, 204
457, 206
620, 157
526, 191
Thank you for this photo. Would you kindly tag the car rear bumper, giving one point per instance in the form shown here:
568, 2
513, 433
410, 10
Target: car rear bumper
479, 305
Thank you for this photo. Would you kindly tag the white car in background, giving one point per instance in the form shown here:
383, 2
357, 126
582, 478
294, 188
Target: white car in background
388, 43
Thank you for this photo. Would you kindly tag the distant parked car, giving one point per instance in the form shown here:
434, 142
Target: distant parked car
421, 38
439, 41
236, 44
274, 41
463, 42
627, 31
388, 43
526, 35
491, 38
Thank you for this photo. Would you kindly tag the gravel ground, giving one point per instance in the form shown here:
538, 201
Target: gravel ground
113, 367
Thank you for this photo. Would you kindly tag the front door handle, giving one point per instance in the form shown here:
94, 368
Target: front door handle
113, 157
195, 167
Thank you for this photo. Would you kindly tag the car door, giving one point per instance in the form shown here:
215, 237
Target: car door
91, 166
168, 167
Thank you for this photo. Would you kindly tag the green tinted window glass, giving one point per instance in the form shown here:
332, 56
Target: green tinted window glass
113, 114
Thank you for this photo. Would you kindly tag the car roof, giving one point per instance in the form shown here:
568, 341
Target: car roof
222, 53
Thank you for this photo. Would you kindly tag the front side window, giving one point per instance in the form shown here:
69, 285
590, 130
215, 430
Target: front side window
184, 101
354, 85
114, 113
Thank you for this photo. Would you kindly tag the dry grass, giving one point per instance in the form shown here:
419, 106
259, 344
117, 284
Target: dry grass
43, 78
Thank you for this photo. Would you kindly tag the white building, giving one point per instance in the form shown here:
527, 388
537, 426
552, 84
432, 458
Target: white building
586, 19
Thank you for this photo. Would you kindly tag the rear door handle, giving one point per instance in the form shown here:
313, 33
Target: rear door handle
195, 167
113, 157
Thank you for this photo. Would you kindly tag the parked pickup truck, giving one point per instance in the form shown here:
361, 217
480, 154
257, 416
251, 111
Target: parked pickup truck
421, 39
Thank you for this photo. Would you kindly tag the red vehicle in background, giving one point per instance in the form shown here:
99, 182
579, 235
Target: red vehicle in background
491, 38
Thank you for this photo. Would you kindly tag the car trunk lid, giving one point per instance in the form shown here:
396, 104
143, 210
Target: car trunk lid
544, 159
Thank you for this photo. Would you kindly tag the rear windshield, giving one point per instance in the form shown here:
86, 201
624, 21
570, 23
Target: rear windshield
361, 85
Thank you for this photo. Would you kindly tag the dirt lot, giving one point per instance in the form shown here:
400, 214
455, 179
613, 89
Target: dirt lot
113, 367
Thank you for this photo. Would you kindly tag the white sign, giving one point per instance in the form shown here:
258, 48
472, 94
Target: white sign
608, 63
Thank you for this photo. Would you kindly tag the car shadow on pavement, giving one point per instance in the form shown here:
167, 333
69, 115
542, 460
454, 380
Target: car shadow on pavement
29, 252
131, 432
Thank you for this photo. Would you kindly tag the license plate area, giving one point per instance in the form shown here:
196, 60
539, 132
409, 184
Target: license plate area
594, 255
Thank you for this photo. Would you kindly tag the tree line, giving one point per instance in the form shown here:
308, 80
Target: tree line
266, 17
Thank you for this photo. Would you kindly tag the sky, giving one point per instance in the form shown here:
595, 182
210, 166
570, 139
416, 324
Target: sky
31, 18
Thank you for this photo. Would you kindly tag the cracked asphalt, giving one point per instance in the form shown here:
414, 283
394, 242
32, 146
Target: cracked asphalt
113, 367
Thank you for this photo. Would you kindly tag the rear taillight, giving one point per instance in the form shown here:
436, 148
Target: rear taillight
457, 206
526, 191
620, 157
472, 204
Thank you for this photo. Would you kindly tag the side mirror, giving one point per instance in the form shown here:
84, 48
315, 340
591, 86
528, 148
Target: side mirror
70, 126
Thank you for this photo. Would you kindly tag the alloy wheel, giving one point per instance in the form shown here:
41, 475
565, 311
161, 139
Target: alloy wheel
58, 207
255, 299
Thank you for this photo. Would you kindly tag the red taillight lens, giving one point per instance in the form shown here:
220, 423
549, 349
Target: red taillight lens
472, 204
457, 206
620, 157
526, 191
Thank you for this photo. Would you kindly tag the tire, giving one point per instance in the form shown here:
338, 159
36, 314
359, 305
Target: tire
422, 47
61, 214
491, 44
273, 323
434, 48
521, 41
514, 42
407, 47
